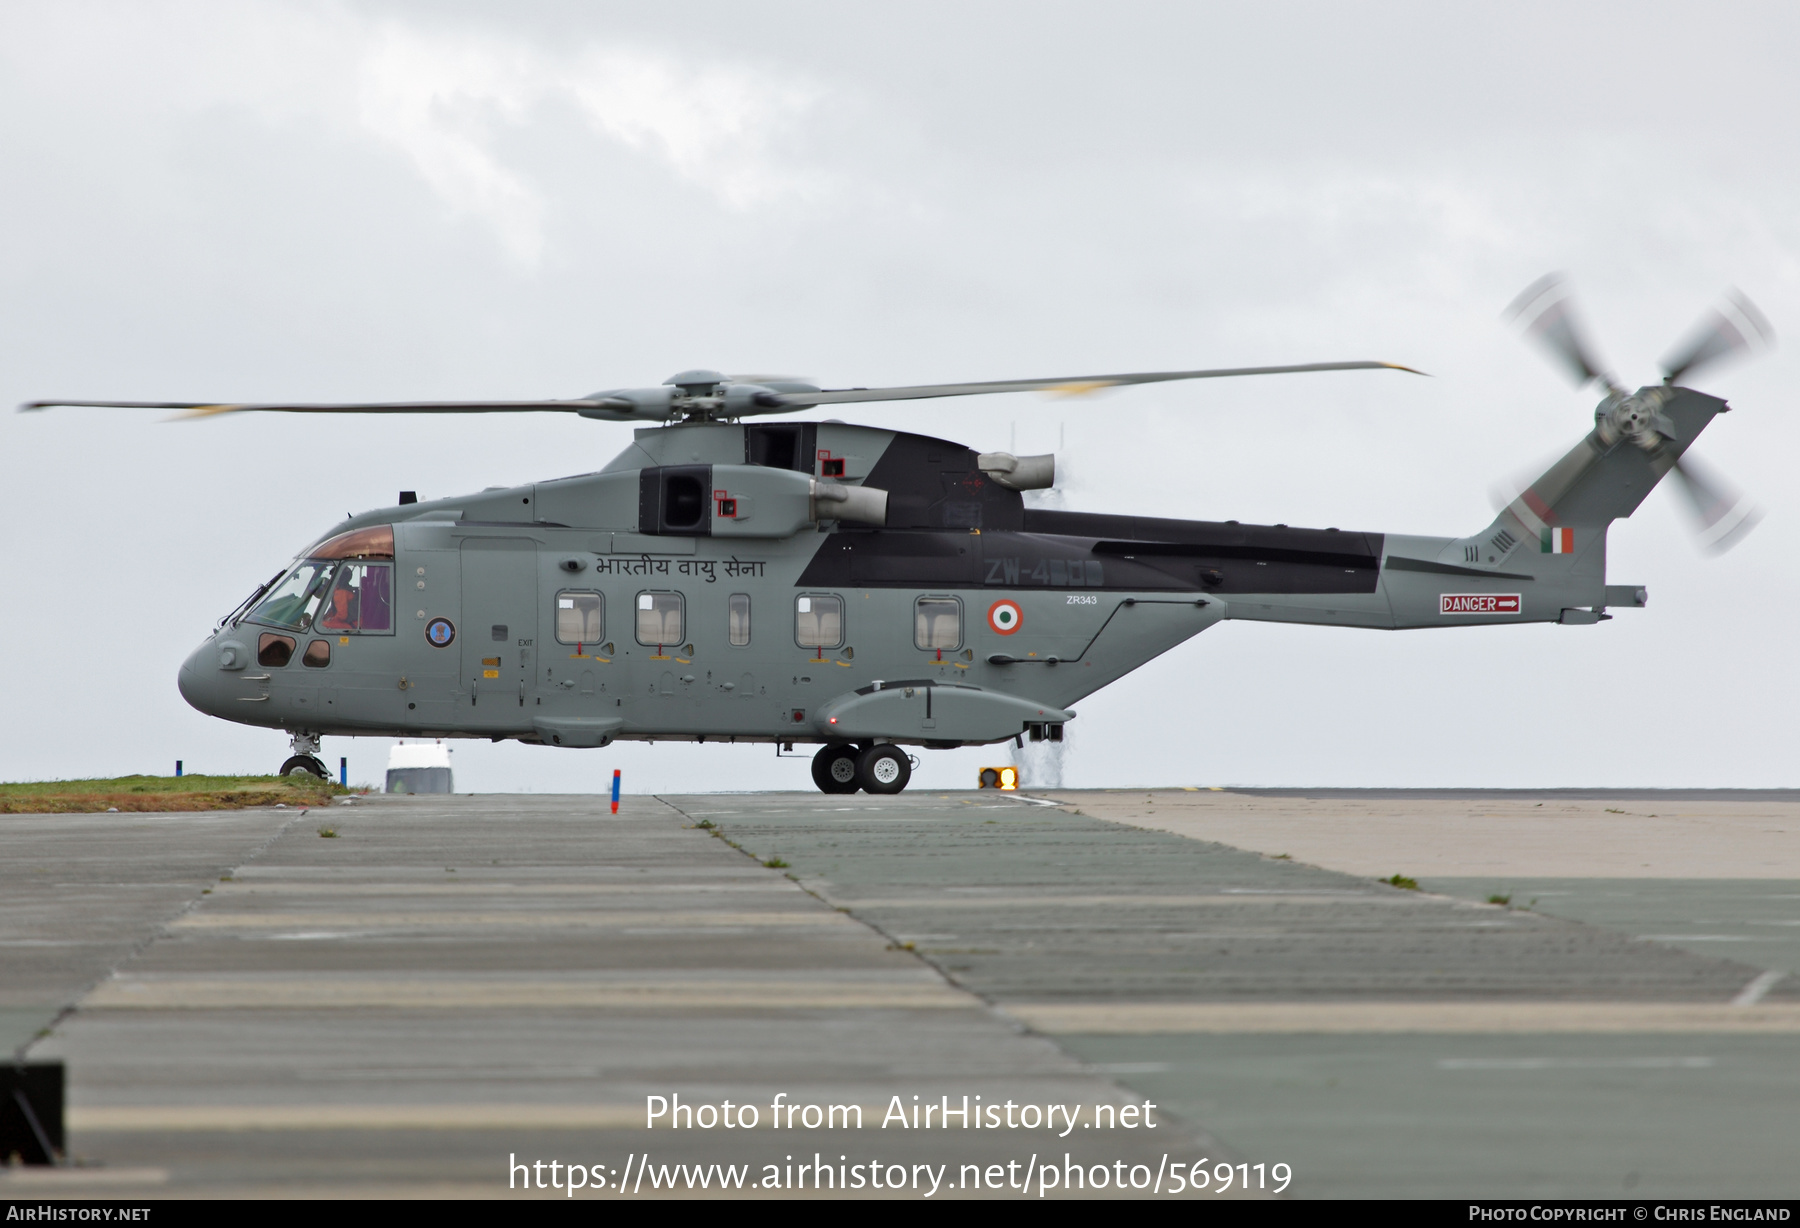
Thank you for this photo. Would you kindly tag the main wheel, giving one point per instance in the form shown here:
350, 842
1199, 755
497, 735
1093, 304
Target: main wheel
304, 765
834, 769
883, 769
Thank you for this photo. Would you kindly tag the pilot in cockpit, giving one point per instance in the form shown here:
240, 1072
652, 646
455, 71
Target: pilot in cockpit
343, 610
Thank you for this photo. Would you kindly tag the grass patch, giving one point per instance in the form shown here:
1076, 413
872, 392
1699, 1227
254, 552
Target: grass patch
328, 833
776, 863
705, 825
1282, 857
1501, 900
1402, 882
163, 793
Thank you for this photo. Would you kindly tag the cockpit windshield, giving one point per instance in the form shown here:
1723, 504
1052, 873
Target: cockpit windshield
296, 598
322, 593
328, 596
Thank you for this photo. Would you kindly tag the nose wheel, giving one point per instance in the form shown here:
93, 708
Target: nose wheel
305, 760
305, 765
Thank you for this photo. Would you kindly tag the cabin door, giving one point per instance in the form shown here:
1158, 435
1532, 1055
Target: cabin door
500, 625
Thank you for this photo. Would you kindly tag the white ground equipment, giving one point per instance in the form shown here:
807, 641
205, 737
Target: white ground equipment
419, 767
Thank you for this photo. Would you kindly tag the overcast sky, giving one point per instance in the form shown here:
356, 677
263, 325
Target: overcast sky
387, 201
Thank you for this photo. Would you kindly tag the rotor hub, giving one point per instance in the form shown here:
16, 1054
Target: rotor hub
698, 382
1636, 416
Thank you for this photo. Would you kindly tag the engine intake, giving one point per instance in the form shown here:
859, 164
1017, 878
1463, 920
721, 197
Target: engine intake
1019, 472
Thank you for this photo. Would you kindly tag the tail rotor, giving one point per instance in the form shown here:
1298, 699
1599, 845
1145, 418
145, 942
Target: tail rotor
1723, 515
1735, 327
1546, 314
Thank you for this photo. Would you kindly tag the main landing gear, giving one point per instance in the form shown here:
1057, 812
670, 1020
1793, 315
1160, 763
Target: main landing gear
878, 768
305, 760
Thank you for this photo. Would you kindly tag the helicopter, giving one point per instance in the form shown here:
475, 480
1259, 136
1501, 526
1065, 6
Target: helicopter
866, 590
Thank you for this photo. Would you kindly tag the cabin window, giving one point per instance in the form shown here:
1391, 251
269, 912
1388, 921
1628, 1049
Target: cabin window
361, 599
659, 619
318, 654
274, 650
738, 616
819, 621
580, 618
937, 623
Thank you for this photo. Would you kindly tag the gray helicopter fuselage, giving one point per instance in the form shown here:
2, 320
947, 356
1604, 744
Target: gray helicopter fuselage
716, 581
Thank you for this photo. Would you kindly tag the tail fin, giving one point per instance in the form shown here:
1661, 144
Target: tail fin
1568, 509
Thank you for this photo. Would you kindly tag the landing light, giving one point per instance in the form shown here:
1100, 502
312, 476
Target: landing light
1004, 778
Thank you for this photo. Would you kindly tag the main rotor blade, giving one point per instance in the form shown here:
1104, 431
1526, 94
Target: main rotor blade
1733, 327
1071, 385
1724, 514
1068, 384
1546, 313
206, 409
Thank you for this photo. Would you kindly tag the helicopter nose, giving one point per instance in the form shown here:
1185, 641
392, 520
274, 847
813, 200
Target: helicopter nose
203, 678
190, 680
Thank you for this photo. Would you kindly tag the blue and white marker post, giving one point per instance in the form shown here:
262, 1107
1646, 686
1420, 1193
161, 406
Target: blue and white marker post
344, 771
615, 808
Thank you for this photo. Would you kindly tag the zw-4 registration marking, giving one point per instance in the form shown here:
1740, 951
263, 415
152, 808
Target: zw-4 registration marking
1057, 573
1478, 603
1083, 599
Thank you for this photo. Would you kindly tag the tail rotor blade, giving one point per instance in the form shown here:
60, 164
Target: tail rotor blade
1546, 314
1734, 327
1725, 515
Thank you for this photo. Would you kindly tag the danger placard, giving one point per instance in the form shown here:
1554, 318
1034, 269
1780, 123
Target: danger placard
1478, 603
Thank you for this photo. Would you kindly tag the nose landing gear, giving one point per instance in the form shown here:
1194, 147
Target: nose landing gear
305, 760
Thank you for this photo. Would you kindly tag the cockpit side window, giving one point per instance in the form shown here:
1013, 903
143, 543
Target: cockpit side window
361, 599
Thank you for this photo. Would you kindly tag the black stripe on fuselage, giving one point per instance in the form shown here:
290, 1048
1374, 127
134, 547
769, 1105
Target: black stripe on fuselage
1077, 550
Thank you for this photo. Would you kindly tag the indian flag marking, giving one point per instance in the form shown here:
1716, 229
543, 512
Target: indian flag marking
1557, 541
